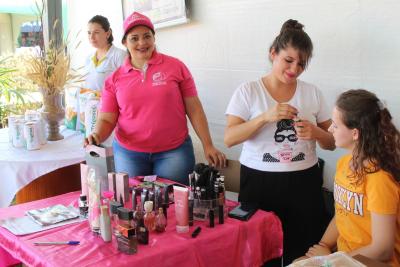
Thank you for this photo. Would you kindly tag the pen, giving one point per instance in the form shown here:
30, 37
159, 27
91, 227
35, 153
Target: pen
56, 243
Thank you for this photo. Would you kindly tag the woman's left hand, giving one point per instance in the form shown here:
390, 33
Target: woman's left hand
305, 130
318, 250
215, 157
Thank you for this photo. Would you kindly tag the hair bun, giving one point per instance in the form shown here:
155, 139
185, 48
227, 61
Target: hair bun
291, 24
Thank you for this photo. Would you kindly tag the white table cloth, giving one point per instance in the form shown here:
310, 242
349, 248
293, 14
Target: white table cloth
19, 167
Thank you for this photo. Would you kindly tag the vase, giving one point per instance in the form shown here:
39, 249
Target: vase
52, 112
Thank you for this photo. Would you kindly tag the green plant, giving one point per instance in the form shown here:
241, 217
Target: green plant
13, 91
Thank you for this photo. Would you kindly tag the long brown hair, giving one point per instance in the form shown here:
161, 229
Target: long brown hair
378, 145
292, 34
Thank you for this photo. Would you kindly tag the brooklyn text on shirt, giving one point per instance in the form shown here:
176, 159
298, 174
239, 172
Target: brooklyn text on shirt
350, 201
159, 78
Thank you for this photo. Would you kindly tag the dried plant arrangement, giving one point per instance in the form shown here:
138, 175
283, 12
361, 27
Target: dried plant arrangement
50, 67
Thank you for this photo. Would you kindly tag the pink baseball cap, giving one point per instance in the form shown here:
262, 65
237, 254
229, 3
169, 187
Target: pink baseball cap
136, 19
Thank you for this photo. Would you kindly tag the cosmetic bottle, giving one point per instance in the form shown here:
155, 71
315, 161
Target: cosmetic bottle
149, 217
83, 207
161, 221
134, 203
143, 197
114, 205
221, 189
125, 218
157, 198
105, 224
211, 218
191, 206
142, 233
128, 244
152, 196
220, 214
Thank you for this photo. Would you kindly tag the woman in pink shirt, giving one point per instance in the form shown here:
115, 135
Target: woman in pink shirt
146, 100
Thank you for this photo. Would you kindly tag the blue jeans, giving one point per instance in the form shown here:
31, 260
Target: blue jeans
174, 164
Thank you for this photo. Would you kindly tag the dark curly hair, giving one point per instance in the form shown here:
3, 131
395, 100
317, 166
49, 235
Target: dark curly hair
292, 34
378, 146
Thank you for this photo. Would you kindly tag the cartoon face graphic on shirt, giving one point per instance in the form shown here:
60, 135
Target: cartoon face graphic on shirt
285, 140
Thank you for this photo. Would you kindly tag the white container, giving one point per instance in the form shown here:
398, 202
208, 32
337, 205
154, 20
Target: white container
91, 115
11, 120
17, 130
105, 224
31, 134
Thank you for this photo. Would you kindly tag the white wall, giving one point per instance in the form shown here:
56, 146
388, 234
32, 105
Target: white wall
226, 43
79, 13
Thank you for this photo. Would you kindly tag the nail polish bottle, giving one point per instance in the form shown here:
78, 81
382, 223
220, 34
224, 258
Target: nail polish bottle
149, 217
161, 221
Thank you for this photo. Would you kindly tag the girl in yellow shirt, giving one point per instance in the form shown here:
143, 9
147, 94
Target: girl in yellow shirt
366, 188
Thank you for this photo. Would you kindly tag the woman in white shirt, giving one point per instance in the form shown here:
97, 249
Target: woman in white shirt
106, 58
279, 119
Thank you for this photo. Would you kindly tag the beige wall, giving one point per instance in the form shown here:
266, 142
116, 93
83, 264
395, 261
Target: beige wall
6, 46
10, 27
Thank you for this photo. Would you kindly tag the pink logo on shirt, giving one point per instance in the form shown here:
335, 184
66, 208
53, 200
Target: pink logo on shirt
159, 78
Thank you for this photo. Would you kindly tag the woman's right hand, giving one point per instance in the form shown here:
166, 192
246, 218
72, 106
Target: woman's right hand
92, 139
280, 111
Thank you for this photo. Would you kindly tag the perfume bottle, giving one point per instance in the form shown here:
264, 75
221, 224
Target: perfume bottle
161, 221
149, 217
125, 218
114, 205
142, 232
127, 243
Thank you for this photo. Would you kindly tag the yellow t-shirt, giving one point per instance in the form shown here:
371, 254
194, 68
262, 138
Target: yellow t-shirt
379, 193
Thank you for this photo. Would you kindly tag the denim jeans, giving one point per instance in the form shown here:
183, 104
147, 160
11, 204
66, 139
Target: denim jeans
174, 164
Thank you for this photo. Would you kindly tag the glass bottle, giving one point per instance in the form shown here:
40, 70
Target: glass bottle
83, 207
128, 244
149, 217
142, 232
161, 221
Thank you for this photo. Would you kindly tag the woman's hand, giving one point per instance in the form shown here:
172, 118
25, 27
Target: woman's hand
280, 111
318, 250
215, 157
305, 130
92, 139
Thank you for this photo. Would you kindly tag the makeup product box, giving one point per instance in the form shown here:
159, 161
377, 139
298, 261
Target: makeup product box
100, 158
122, 186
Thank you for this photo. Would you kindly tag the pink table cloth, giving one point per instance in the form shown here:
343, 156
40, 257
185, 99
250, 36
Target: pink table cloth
234, 243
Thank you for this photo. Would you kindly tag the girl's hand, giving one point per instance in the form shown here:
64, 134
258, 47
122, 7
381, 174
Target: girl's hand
280, 111
305, 129
318, 250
